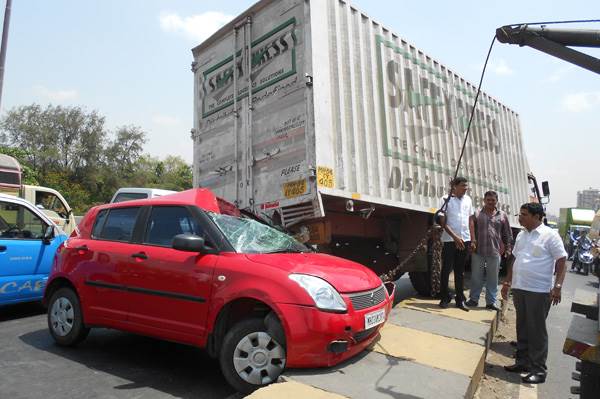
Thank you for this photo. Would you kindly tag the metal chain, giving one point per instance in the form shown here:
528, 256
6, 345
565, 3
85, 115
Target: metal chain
436, 266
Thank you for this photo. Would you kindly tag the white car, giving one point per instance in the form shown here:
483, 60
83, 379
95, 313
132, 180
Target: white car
136, 193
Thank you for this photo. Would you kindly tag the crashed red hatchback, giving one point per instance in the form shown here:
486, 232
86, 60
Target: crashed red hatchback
177, 268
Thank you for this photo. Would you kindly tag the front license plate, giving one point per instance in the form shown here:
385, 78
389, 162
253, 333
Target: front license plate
374, 318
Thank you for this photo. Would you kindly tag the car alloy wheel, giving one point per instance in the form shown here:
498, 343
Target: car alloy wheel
253, 353
65, 320
258, 358
62, 316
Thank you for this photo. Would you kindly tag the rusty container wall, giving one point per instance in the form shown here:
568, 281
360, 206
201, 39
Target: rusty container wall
390, 120
340, 106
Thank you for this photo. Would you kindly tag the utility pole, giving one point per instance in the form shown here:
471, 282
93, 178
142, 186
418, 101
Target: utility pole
4, 44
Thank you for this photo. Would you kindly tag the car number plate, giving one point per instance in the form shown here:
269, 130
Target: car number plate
374, 318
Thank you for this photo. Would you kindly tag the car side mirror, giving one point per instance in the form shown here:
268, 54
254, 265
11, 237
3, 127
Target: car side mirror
48, 235
192, 243
545, 188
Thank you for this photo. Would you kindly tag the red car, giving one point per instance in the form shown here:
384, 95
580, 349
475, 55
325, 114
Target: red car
177, 268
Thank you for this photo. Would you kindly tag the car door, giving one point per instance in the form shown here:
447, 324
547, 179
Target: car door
170, 288
25, 259
101, 263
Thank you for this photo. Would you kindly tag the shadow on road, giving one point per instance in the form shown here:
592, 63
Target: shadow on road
178, 370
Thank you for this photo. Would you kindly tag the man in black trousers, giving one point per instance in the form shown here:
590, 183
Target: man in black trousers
458, 238
539, 255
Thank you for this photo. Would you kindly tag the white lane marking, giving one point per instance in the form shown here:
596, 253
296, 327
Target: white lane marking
528, 391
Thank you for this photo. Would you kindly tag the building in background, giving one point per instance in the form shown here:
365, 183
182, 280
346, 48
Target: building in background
589, 199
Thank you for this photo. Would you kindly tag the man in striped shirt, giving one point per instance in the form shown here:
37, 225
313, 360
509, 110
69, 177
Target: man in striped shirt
493, 238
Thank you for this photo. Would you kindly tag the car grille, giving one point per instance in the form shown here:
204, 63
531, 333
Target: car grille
362, 335
367, 299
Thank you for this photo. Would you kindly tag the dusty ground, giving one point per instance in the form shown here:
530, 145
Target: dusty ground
496, 382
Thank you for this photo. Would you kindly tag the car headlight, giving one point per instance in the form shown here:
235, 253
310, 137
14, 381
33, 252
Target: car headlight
325, 296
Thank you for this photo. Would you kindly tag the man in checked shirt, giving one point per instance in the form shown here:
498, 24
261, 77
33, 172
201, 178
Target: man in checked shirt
493, 240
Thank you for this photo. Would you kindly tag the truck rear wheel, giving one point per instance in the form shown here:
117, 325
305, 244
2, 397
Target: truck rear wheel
421, 282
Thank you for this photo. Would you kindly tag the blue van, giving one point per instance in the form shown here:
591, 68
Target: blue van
28, 243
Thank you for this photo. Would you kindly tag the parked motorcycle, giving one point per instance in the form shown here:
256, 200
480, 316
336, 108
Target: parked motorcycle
583, 260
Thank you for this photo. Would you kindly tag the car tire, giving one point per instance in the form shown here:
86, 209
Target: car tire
65, 319
250, 356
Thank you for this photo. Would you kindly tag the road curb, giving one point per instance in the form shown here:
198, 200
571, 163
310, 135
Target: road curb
419, 343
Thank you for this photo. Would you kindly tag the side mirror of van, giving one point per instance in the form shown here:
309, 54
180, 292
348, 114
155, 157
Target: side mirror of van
48, 235
191, 243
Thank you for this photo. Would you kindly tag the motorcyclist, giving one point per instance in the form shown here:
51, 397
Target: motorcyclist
581, 241
573, 236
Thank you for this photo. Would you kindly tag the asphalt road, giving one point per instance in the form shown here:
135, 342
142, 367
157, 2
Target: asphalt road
113, 364
108, 364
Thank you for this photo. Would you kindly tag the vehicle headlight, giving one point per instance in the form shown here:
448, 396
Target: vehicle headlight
325, 296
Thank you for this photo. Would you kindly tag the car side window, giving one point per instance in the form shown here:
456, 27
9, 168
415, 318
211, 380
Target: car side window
119, 224
99, 223
166, 222
18, 222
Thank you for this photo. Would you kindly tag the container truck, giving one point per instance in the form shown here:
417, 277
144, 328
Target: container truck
50, 201
323, 121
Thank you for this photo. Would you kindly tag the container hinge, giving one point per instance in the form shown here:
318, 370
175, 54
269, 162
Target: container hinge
309, 79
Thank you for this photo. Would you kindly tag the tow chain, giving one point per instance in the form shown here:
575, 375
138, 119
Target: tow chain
434, 233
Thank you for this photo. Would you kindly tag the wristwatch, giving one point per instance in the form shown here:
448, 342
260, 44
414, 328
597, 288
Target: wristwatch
559, 286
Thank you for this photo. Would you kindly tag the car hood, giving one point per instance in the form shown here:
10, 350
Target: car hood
344, 275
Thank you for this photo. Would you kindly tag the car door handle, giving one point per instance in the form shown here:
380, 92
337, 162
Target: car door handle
82, 248
2, 248
139, 255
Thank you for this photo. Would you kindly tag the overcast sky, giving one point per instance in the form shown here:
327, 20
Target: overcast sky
130, 60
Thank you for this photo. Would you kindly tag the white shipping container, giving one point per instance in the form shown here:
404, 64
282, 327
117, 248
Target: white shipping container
301, 105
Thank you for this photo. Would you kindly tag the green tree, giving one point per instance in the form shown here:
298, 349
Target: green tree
56, 138
69, 149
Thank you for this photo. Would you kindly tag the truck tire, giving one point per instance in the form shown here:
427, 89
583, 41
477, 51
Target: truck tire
65, 319
421, 282
251, 357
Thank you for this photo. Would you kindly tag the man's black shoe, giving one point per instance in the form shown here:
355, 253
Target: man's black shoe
492, 307
534, 378
444, 304
471, 303
462, 306
517, 368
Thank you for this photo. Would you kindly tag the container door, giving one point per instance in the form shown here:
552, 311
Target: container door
266, 124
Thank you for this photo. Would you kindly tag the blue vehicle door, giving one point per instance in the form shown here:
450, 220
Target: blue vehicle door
25, 259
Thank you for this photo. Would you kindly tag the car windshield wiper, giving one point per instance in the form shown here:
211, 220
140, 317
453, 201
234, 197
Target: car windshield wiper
286, 250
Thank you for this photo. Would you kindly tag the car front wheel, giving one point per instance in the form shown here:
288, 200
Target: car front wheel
251, 357
65, 319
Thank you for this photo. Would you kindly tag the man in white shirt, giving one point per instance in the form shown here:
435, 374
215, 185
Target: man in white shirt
458, 231
538, 254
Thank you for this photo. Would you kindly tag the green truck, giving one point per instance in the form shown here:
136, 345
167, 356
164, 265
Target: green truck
574, 219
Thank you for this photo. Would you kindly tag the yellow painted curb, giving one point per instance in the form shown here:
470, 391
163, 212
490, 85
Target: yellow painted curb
429, 349
479, 315
292, 390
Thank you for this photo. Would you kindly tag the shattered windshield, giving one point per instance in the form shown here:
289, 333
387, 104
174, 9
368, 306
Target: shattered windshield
250, 236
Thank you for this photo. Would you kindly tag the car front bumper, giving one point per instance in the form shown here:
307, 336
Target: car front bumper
321, 339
